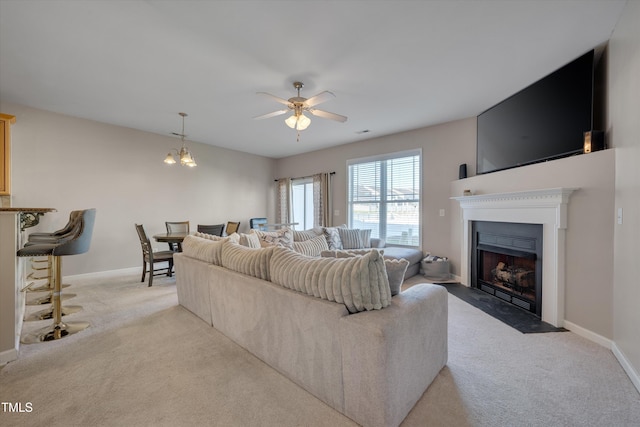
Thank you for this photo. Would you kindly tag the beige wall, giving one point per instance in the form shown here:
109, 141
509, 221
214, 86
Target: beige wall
624, 113
444, 148
69, 163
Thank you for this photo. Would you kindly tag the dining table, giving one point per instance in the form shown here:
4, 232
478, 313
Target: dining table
176, 238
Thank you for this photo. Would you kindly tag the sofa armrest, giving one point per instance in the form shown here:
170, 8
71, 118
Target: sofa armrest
377, 243
391, 356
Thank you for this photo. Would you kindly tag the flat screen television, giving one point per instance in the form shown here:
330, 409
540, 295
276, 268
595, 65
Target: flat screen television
544, 121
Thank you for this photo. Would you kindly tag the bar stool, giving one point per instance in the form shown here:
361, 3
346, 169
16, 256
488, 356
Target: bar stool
78, 243
48, 237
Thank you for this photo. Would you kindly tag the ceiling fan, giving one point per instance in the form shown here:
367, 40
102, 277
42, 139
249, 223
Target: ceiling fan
298, 105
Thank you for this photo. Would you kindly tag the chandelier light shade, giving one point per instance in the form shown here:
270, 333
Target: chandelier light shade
186, 159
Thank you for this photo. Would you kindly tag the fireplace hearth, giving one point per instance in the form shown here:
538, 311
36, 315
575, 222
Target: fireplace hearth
507, 262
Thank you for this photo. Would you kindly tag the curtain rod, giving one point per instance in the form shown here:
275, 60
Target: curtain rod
303, 177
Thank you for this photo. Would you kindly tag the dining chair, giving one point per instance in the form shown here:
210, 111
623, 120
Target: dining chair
152, 258
232, 227
258, 223
176, 227
215, 230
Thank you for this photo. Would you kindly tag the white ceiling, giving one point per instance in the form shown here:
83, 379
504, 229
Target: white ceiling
393, 65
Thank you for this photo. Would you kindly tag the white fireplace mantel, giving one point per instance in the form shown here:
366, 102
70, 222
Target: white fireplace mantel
547, 207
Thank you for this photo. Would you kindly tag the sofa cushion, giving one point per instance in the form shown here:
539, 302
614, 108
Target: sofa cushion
250, 261
360, 283
395, 268
207, 250
311, 247
414, 256
282, 237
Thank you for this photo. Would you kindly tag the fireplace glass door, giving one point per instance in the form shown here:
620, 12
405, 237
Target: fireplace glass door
507, 262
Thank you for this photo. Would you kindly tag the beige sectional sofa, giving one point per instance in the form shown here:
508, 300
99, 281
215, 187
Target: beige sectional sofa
371, 365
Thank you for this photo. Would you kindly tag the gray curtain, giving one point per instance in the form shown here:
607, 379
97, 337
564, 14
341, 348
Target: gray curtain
283, 208
322, 200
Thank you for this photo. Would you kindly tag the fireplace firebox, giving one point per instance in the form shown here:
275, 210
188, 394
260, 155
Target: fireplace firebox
506, 262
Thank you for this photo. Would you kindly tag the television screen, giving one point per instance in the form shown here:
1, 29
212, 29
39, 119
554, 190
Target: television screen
544, 121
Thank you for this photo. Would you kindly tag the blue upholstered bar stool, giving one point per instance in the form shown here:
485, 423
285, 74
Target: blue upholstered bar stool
48, 237
78, 243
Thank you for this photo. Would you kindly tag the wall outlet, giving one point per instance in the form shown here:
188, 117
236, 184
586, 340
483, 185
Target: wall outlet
620, 216
441, 212
336, 212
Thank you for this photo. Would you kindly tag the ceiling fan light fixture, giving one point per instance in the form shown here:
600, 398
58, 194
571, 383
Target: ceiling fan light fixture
303, 122
291, 121
298, 121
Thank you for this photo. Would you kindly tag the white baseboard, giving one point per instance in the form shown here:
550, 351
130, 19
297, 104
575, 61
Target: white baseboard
585, 333
8, 356
627, 366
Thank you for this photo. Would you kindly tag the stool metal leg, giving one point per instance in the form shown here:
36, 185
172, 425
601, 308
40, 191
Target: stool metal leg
59, 329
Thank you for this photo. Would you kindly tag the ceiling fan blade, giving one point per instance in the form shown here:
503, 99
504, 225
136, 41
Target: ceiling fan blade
319, 98
273, 114
328, 115
275, 98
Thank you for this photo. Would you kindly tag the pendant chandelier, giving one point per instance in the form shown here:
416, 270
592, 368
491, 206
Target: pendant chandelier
186, 159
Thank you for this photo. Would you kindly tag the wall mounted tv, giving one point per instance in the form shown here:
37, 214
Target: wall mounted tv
544, 121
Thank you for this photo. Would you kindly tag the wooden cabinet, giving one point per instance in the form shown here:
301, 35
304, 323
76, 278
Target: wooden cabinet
5, 153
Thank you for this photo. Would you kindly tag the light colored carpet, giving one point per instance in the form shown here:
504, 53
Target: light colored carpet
147, 361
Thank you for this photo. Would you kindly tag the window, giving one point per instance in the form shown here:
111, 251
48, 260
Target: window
302, 203
384, 196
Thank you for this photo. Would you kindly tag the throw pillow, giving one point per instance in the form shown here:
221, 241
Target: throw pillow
249, 261
333, 237
395, 268
365, 235
350, 238
312, 247
395, 273
359, 282
233, 237
207, 250
250, 240
301, 236
282, 237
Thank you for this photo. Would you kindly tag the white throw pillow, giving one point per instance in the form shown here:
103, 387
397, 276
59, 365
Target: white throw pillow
359, 282
311, 247
301, 236
395, 268
207, 250
249, 261
333, 236
250, 240
282, 237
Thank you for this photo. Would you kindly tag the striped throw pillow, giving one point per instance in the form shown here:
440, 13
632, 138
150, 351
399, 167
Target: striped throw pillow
249, 261
359, 282
311, 247
203, 249
350, 238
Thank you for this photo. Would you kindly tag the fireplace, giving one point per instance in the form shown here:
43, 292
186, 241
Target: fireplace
506, 261
547, 207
